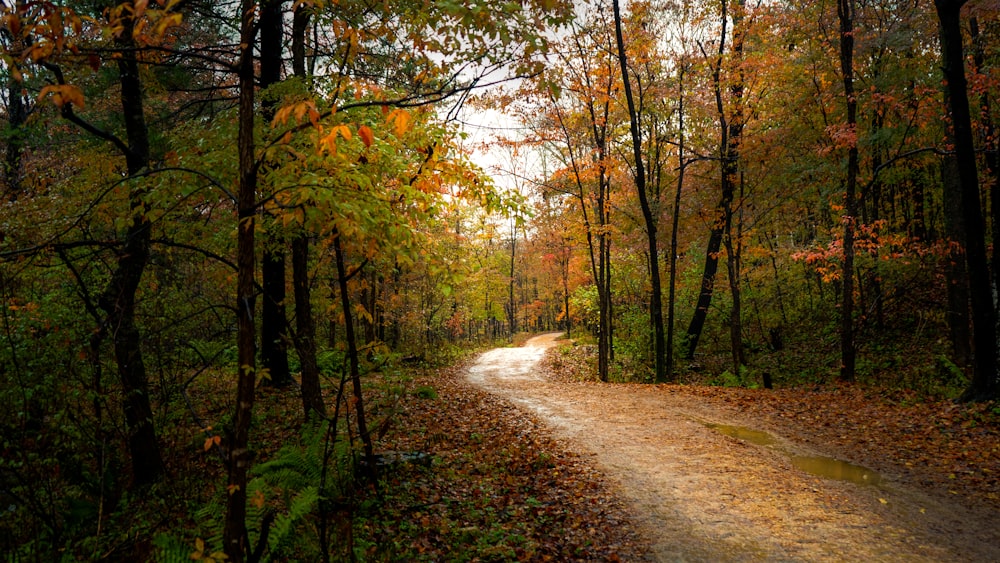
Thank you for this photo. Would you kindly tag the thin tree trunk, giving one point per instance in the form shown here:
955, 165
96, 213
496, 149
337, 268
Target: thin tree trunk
511, 304
599, 257
675, 224
649, 218
730, 177
722, 223
234, 529
564, 270
352, 356
17, 116
118, 300
845, 11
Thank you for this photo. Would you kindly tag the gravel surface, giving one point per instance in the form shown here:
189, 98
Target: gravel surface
699, 494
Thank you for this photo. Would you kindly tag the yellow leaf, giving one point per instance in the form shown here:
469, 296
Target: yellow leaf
400, 119
883, 501
232, 488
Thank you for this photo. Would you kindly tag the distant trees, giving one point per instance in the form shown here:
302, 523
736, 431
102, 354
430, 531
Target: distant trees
849, 193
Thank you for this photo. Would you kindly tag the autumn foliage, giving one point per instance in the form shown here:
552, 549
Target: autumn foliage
217, 199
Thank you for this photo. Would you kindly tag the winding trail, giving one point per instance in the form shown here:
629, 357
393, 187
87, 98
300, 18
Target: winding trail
700, 495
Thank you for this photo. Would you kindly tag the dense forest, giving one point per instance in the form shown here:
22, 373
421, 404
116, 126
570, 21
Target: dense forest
210, 205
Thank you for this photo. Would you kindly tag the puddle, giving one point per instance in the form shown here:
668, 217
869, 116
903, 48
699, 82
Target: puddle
820, 466
745, 434
832, 468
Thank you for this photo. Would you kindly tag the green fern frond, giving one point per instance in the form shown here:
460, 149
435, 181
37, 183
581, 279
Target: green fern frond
285, 524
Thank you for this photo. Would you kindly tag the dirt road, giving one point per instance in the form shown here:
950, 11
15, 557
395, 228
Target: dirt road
702, 495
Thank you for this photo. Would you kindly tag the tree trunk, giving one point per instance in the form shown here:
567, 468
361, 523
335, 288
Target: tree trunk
17, 116
845, 11
305, 330
992, 159
597, 252
648, 215
730, 177
352, 357
675, 223
957, 278
305, 323
511, 304
273, 321
730, 131
984, 380
234, 529
118, 300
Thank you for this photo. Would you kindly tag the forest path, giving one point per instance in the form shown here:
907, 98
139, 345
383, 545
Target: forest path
701, 495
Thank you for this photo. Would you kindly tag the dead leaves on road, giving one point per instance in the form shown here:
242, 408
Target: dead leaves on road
499, 489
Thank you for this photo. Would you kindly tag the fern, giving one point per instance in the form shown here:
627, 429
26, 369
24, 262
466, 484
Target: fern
285, 524
301, 475
170, 549
285, 491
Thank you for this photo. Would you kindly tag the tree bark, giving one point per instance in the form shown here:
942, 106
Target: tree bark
17, 116
234, 528
352, 357
305, 323
730, 177
992, 159
984, 379
675, 223
118, 299
957, 278
305, 331
648, 216
730, 131
273, 321
845, 12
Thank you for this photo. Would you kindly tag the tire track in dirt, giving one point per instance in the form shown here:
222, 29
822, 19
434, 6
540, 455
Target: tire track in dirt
702, 496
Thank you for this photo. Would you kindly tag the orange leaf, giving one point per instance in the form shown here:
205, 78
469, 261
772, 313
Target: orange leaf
212, 441
63, 94
366, 134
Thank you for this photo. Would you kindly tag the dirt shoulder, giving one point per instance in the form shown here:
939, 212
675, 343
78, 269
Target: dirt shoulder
700, 495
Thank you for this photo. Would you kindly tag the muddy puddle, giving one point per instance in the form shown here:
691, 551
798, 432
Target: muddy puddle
820, 466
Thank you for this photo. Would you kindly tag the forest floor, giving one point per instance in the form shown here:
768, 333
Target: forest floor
723, 474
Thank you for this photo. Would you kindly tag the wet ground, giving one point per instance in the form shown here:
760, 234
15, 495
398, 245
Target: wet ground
704, 487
